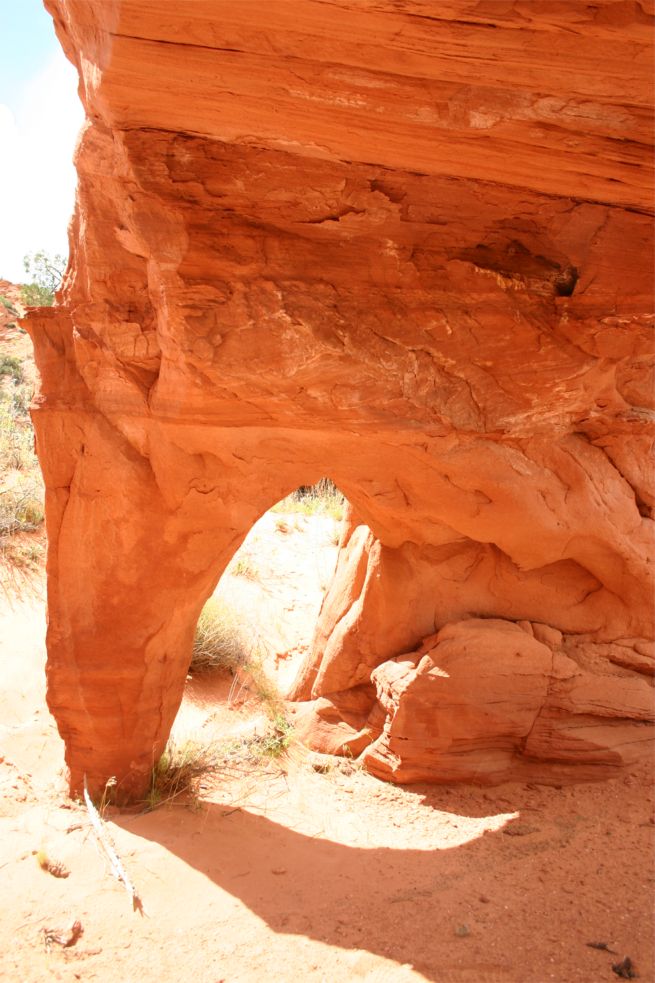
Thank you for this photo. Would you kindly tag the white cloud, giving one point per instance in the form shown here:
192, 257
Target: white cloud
37, 176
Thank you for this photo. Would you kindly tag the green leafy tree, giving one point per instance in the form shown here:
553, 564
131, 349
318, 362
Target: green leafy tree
45, 273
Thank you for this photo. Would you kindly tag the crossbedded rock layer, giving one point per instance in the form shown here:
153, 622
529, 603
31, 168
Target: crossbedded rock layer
411, 250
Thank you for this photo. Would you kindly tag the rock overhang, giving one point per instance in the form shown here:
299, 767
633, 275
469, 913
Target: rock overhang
411, 250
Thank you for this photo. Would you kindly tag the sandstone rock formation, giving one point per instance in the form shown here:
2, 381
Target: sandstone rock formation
403, 244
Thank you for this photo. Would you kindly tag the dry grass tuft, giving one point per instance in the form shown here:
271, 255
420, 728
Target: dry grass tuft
182, 772
219, 644
323, 498
178, 772
21, 485
224, 644
244, 566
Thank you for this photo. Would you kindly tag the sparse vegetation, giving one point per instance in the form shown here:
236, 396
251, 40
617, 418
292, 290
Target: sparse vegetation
45, 273
323, 498
254, 748
178, 771
218, 645
21, 485
181, 769
224, 644
7, 304
11, 366
244, 566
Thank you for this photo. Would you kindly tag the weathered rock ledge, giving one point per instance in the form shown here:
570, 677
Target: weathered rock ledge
408, 246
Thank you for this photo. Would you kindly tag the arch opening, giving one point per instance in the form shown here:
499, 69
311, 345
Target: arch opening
256, 629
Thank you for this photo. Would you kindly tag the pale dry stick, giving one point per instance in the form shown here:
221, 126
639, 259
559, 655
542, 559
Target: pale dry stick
104, 839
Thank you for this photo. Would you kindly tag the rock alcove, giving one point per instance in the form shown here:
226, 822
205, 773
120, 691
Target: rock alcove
313, 237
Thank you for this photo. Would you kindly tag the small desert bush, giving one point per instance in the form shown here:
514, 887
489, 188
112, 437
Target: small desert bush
223, 643
253, 677
218, 645
255, 748
21, 505
244, 566
11, 366
8, 306
179, 773
22, 554
323, 498
21, 484
45, 273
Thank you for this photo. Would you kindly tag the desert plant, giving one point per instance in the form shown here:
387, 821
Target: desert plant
22, 556
244, 566
45, 272
21, 485
252, 677
178, 774
323, 498
255, 748
11, 366
8, 306
16, 435
178, 771
276, 740
218, 644
21, 506
224, 644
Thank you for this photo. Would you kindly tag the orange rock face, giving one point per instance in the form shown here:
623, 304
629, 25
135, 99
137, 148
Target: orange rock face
408, 246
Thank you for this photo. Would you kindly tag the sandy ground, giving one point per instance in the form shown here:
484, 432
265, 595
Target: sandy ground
285, 874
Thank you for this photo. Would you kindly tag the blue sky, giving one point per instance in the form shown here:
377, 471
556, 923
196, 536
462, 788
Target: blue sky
40, 116
28, 40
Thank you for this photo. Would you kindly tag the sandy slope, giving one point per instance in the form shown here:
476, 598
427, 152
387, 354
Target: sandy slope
289, 875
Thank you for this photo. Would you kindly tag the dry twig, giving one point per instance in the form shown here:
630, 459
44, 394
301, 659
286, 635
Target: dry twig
105, 841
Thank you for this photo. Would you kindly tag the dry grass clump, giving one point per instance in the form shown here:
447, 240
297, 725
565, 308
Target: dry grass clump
183, 769
244, 566
218, 645
224, 644
323, 498
255, 748
21, 484
178, 772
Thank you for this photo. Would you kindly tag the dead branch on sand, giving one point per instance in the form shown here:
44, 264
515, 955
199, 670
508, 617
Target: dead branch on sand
105, 841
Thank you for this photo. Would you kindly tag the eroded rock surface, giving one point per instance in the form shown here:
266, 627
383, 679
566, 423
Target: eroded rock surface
405, 245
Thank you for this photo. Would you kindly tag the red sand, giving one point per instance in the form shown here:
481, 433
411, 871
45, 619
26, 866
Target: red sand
288, 875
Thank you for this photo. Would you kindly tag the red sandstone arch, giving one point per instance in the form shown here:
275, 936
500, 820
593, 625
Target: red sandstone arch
351, 248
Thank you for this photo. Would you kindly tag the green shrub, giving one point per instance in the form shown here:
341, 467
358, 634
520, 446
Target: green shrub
11, 366
21, 505
45, 274
7, 304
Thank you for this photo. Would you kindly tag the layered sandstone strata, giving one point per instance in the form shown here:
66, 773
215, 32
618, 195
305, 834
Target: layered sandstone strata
409, 246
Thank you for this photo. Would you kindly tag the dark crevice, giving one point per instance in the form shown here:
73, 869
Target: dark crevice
334, 217
565, 282
513, 261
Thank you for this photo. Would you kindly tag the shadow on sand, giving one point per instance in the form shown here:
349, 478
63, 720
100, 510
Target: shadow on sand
403, 904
